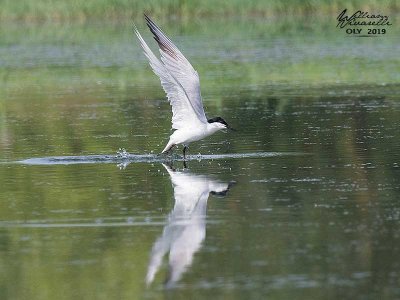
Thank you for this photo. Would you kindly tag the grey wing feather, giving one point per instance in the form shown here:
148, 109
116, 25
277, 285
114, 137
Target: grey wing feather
180, 68
183, 113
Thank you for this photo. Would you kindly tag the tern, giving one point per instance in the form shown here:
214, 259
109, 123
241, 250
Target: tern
181, 83
185, 231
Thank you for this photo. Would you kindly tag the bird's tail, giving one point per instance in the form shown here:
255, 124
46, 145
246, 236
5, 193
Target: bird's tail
169, 146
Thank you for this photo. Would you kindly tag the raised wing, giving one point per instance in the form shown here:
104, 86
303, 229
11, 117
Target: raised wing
184, 112
180, 69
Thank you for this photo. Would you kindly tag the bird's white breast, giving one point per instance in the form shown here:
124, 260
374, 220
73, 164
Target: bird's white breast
193, 133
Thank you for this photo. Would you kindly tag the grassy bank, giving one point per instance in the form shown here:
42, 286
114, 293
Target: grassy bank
252, 54
114, 10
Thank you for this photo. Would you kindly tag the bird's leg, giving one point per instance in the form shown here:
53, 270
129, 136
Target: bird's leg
184, 151
184, 156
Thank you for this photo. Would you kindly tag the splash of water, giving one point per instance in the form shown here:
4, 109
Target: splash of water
122, 153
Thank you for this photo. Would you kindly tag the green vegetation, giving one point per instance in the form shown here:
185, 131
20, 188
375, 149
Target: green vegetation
117, 10
81, 57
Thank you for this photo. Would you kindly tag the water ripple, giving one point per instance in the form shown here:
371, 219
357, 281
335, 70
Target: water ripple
143, 158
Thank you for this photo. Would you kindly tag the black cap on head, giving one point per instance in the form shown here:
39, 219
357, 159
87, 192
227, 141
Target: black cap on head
219, 120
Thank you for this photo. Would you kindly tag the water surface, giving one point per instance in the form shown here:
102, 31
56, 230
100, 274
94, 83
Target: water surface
301, 202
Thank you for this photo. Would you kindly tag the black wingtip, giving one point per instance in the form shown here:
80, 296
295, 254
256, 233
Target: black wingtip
161, 41
150, 24
148, 20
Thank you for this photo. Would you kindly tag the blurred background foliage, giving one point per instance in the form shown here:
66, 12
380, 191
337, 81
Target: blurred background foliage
117, 10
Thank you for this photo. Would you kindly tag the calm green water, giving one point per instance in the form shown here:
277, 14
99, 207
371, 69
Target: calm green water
301, 202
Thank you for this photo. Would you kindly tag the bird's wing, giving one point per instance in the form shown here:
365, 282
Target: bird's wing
180, 69
183, 113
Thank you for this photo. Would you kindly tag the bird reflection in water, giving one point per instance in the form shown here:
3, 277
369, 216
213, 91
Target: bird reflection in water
186, 229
